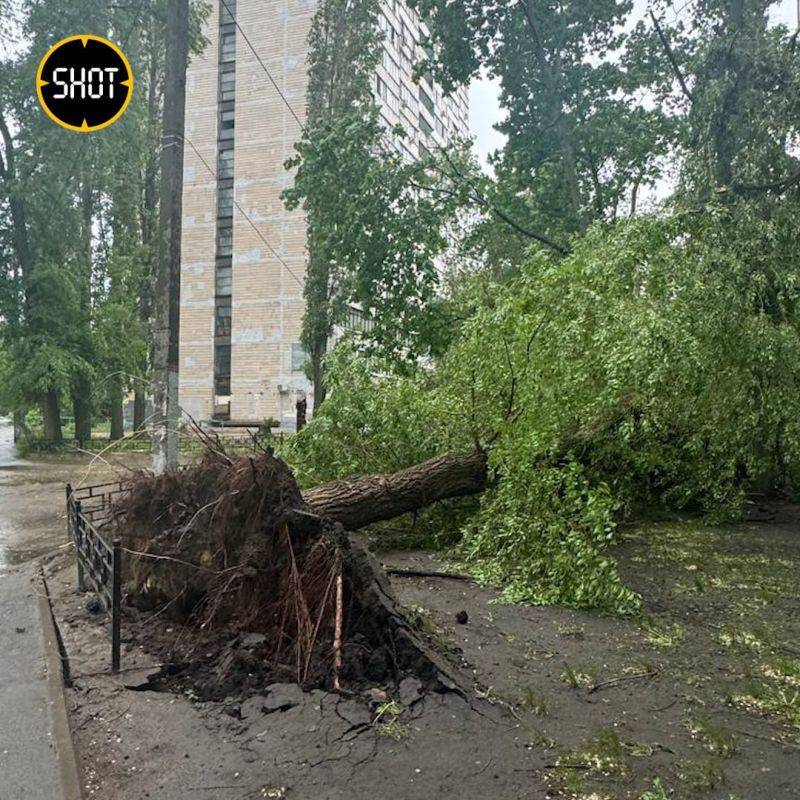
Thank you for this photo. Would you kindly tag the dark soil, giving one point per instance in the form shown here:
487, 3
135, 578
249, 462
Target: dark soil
702, 693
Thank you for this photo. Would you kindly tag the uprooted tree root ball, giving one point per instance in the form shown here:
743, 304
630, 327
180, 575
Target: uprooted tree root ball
227, 550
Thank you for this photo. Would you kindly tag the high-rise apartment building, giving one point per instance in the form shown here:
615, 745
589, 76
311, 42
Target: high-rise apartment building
244, 254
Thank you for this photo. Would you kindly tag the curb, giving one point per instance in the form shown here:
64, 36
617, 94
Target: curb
71, 786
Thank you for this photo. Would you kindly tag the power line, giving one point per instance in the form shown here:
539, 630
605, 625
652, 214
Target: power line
288, 105
242, 211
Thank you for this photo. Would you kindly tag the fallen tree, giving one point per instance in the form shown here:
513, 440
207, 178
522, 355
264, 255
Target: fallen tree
364, 500
230, 545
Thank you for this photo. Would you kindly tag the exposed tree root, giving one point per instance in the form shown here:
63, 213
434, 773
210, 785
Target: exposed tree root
230, 545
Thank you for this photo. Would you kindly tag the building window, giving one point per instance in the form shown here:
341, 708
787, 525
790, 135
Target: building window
225, 165
225, 201
224, 281
358, 320
227, 85
227, 12
425, 126
222, 369
225, 240
426, 101
227, 124
227, 47
222, 318
223, 274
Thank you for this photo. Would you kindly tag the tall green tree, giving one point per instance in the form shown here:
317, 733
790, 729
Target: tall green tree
87, 203
580, 143
736, 80
375, 221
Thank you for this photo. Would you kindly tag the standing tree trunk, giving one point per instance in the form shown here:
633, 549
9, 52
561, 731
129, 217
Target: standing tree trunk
81, 382
318, 376
117, 418
19, 425
362, 501
82, 408
51, 416
168, 274
139, 409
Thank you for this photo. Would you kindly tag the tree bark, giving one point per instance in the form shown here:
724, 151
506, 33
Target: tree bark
82, 408
139, 409
361, 501
19, 425
117, 417
51, 417
318, 377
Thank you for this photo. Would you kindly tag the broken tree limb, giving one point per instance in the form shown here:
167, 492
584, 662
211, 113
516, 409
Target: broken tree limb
361, 501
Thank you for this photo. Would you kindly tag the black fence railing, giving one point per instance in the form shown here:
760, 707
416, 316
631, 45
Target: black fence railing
99, 561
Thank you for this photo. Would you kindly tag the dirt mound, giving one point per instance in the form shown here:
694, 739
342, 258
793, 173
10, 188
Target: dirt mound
261, 588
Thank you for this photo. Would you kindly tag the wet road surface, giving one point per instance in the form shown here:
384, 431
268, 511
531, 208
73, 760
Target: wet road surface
32, 496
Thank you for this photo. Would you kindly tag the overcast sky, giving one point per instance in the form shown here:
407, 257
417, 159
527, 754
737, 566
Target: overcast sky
485, 112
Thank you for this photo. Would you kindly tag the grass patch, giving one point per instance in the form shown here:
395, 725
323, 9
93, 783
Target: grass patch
665, 636
714, 738
603, 757
535, 702
387, 722
656, 792
701, 774
572, 631
785, 671
579, 678
730, 636
772, 699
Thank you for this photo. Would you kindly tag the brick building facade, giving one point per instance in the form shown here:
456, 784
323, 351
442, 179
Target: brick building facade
244, 254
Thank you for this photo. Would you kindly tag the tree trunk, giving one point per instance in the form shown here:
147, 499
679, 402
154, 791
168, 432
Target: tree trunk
361, 501
139, 409
318, 377
82, 408
51, 416
117, 418
19, 425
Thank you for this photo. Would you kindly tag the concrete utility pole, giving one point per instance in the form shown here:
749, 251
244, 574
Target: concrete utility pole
168, 269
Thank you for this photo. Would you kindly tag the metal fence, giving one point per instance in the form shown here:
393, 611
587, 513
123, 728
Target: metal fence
99, 562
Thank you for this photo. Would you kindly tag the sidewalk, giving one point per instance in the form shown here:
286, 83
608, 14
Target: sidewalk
36, 756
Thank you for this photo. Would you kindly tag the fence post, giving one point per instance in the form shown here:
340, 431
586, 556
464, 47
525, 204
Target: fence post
116, 605
78, 534
70, 535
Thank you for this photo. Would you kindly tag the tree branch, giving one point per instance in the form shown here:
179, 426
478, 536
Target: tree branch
775, 186
500, 214
672, 60
7, 168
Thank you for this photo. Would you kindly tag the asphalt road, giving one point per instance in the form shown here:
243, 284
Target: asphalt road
29, 765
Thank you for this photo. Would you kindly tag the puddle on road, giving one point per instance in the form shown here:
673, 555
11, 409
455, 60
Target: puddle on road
8, 451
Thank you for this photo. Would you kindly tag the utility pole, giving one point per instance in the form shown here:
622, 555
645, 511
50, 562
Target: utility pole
168, 267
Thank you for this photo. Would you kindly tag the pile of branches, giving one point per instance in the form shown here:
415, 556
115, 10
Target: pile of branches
229, 545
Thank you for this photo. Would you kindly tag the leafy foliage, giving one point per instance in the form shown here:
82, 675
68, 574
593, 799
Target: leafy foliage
579, 141
374, 218
655, 365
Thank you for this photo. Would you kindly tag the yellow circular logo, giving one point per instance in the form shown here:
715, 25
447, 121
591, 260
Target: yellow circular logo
84, 83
